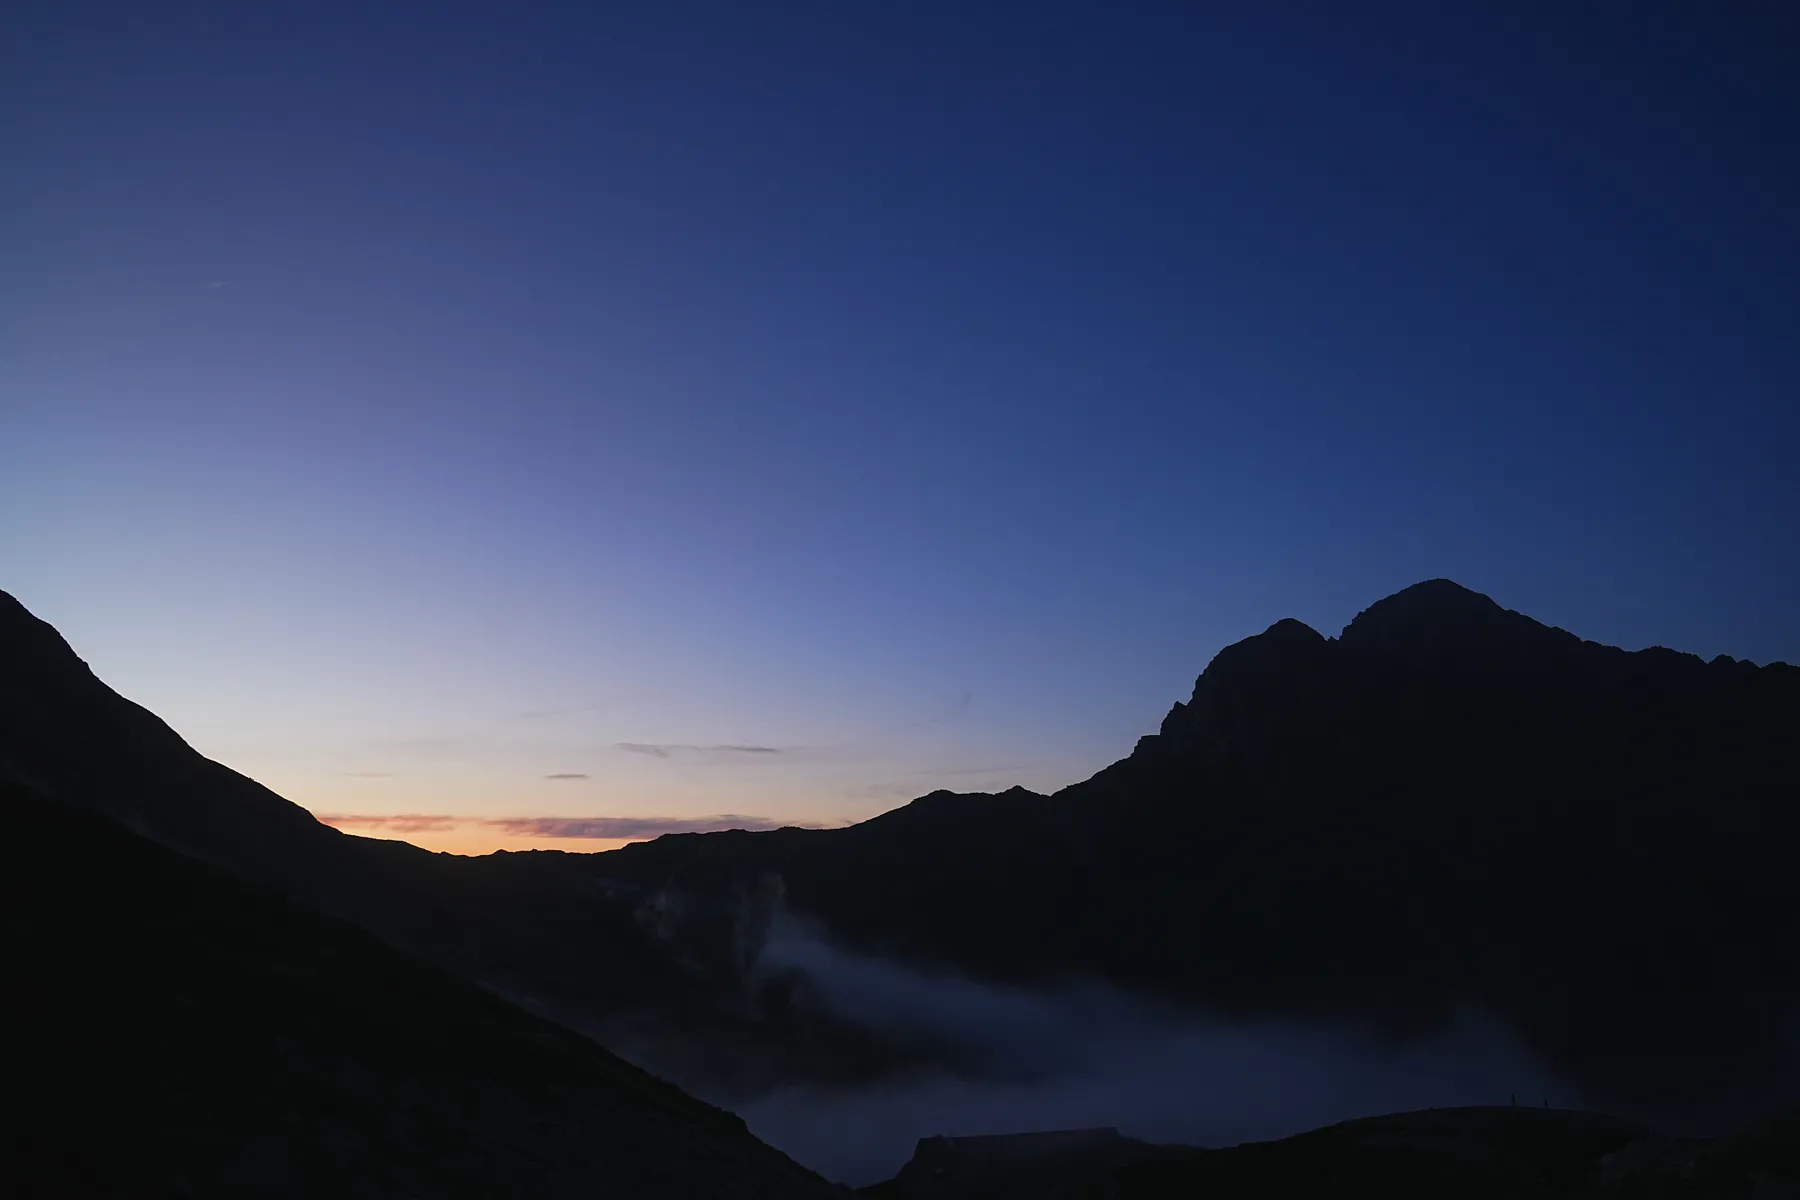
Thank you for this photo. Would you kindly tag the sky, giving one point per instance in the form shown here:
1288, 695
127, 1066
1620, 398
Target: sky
527, 424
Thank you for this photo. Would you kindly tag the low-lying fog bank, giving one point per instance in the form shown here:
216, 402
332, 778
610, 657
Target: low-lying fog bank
1090, 1056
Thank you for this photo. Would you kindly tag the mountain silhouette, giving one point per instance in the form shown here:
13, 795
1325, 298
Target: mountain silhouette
1448, 805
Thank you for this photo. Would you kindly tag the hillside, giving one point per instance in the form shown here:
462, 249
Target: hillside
177, 1031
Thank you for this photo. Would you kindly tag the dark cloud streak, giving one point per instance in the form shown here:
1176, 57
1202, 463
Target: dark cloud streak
627, 827
538, 714
672, 749
599, 828
954, 714
397, 822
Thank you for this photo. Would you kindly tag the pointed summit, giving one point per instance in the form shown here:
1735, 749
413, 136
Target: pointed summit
1285, 642
1438, 598
1289, 630
1443, 621
1277, 650
1283, 660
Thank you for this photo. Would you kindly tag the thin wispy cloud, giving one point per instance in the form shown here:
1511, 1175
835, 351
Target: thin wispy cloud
439, 747
538, 714
673, 749
569, 775
615, 828
597, 828
396, 822
955, 713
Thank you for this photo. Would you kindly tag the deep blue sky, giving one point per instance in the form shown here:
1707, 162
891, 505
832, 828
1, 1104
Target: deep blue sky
923, 391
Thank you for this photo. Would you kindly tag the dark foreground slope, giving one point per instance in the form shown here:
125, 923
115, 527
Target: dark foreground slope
177, 1031
1470, 1153
1448, 805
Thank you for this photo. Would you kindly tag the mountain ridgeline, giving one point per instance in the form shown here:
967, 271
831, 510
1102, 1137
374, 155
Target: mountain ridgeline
1449, 805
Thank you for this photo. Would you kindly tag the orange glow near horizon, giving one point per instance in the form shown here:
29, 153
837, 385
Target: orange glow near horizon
463, 835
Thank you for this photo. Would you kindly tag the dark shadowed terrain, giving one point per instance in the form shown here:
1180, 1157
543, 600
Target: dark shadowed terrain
177, 1031
1449, 855
1477, 1153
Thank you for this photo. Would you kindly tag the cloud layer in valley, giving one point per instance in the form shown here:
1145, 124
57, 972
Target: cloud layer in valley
1085, 1056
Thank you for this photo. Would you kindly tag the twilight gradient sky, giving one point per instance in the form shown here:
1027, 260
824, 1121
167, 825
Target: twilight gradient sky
787, 409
